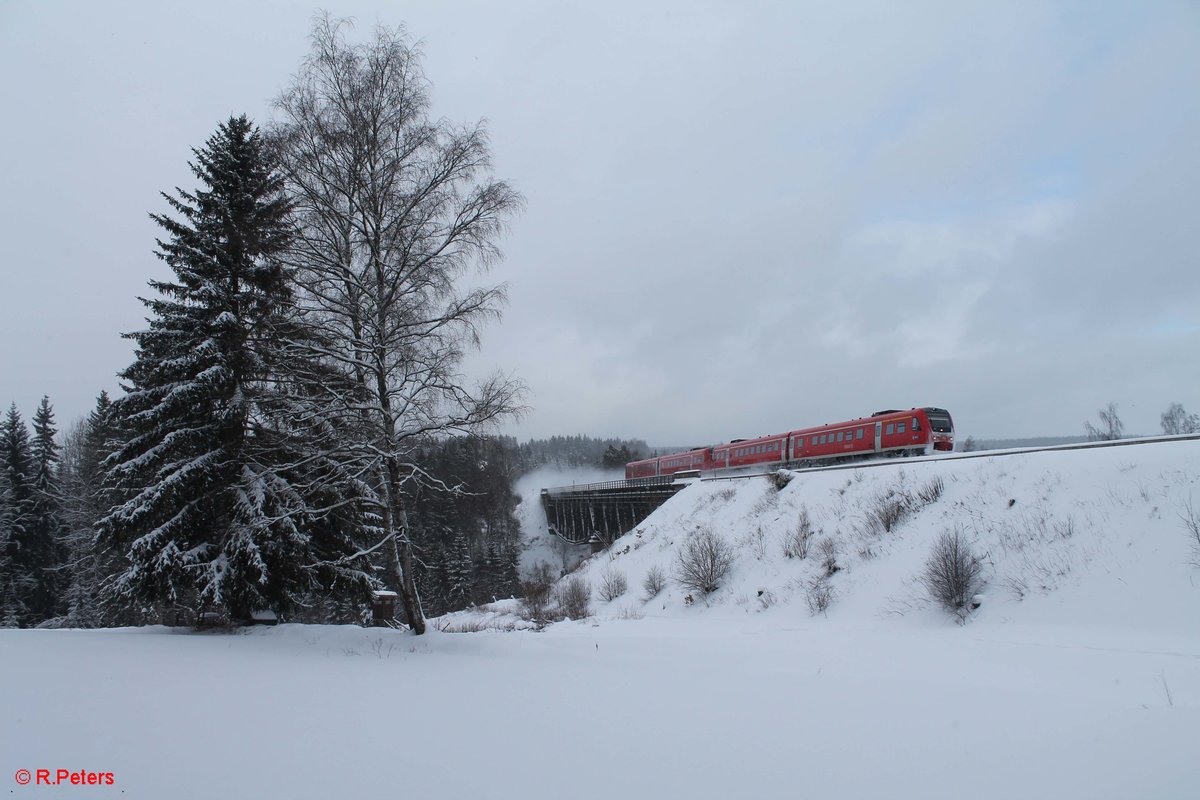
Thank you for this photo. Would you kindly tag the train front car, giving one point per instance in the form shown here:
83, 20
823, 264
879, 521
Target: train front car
941, 427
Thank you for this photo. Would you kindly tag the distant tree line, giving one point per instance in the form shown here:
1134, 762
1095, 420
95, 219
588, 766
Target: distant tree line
579, 451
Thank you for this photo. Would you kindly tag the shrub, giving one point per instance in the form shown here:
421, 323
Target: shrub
931, 491
612, 584
574, 597
827, 549
953, 572
758, 543
704, 561
795, 543
535, 591
654, 582
1190, 515
819, 594
780, 478
889, 509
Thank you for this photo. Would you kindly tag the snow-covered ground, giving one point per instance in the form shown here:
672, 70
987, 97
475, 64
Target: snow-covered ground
1078, 676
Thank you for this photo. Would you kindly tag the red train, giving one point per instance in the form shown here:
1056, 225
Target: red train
917, 431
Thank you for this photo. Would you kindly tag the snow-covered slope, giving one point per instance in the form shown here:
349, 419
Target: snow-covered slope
1078, 676
1083, 538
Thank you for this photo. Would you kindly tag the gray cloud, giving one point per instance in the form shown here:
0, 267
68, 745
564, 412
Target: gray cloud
740, 219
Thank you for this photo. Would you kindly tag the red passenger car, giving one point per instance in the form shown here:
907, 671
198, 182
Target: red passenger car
918, 431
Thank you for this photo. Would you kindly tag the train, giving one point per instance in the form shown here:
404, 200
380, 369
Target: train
918, 431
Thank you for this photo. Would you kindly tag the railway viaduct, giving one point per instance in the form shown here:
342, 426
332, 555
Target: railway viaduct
601, 512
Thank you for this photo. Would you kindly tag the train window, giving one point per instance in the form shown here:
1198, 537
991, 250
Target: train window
859, 435
839, 436
822, 438
891, 428
814, 441
916, 424
900, 428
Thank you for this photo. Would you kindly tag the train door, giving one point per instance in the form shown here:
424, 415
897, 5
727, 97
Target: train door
878, 437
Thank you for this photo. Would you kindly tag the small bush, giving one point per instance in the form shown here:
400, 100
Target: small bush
1190, 515
758, 543
796, 542
535, 592
780, 478
889, 509
654, 582
574, 598
819, 594
953, 574
703, 562
612, 585
827, 550
1065, 528
931, 491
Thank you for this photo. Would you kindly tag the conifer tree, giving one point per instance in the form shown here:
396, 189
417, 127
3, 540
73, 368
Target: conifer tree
218, 503
86, 446
18, 578
47, 526
459, 570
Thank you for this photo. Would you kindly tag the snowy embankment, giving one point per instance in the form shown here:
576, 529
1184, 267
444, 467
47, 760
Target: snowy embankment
1078, 676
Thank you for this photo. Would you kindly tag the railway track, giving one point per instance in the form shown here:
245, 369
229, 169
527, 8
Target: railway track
1016, 451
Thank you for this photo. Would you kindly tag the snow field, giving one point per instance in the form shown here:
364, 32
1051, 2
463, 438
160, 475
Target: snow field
1078, 677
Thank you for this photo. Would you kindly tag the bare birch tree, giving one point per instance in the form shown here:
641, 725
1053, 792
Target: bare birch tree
395, 213
1110, 428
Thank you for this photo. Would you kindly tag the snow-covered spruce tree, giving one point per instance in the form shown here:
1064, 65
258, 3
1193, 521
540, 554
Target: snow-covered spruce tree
460, 572
22, 557
47, 515
218, 500
394, 210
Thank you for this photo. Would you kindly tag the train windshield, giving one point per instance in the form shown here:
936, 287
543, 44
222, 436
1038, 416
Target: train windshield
939, 420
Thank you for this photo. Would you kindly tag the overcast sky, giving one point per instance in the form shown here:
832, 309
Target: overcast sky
742, 217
